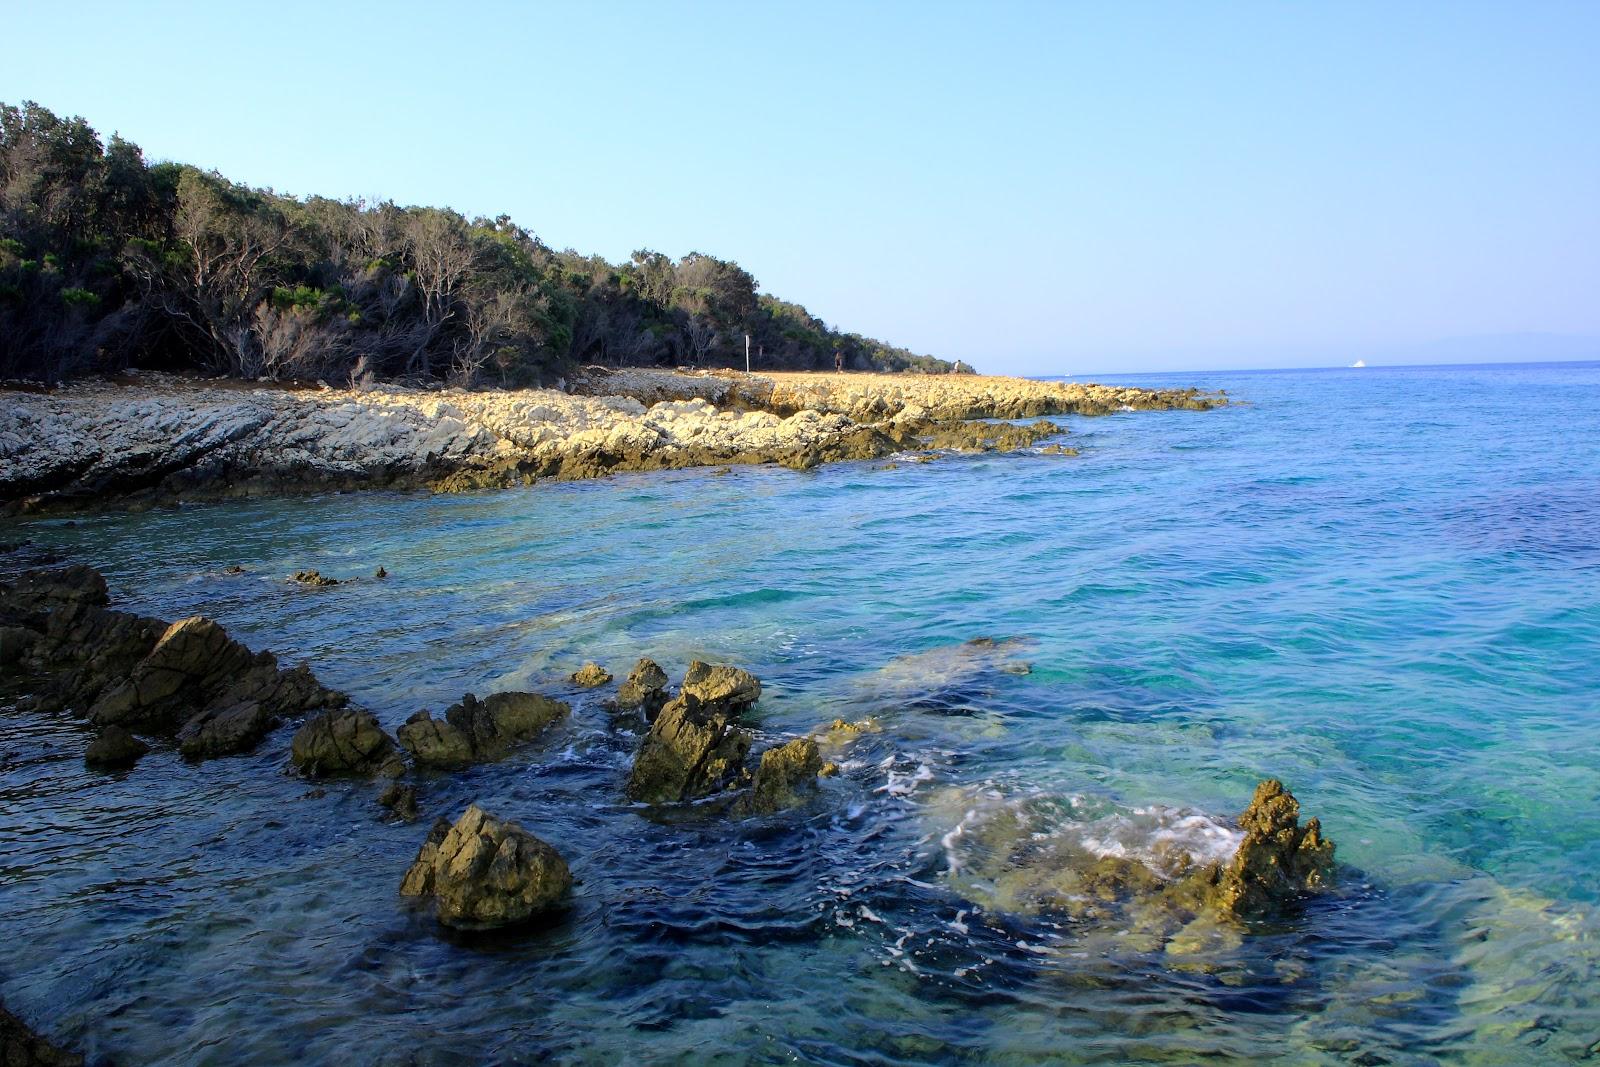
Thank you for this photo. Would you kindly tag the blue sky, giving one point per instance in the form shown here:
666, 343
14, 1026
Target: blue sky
1035, 188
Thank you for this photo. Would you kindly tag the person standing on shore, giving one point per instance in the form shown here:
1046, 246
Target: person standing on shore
838, 360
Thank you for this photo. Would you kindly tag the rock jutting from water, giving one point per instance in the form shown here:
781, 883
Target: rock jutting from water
696, 748
1016, 859
475, 731
645, 690
484, 872
187, 679
591, 676
95, 442
786, 776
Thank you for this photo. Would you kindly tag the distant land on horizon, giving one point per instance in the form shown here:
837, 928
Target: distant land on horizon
1506, 348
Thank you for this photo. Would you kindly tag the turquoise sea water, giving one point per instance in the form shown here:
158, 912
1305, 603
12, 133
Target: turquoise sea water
1382, 586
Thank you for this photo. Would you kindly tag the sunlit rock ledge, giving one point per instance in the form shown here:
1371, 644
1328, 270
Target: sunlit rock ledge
153, 437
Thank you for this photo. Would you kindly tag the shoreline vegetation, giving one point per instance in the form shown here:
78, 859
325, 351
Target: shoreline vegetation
138, 683
141, 439
108, 262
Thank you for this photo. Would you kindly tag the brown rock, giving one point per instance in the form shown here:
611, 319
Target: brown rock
591, 675
786, 772
728, 687
476, 731
484, 872
692, 750
645, 689
400, 799
312, 578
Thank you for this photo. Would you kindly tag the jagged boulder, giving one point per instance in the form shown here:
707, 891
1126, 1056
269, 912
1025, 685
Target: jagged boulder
645, 689
785, 775
193, 658
312, 578
485, 872
692, 750
1278, 862
475, 731
345, 741
591, 676
729, 687
114, 748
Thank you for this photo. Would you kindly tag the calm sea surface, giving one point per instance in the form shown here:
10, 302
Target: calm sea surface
1382, 586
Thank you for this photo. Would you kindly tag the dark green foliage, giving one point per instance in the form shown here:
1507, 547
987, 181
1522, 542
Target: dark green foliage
108, 262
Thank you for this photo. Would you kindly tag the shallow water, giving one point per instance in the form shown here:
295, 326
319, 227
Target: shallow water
1382, 586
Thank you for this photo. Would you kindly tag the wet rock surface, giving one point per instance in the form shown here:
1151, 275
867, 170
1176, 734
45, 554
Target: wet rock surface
188, 679
786, 776
113, 749
645, 690
21, 1047
484, 872
475, 731
345, 741
695, 747
1014, 860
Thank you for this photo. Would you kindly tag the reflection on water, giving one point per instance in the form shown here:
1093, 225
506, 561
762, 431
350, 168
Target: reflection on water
1401, 625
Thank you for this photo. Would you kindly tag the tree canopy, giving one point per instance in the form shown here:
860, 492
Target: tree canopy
109, 262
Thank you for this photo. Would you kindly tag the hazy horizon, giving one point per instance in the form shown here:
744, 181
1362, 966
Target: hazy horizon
1031, 189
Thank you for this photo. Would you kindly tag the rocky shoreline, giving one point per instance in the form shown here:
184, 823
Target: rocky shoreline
152, 438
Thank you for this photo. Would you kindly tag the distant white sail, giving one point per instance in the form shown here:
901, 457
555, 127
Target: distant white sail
1359, 363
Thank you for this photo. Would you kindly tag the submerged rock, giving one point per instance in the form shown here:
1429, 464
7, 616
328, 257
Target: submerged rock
591, 675
786, 773
644, 690
21, 1047
400, 799
114, 748
1166, 879
484, 872
347, 741
475, 731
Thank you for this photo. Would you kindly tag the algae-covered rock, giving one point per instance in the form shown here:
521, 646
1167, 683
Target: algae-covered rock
645, 689
692, 750
1278, 862
591, 675
312, 578
346, 741
1159, 878
786, 773
114, 748
485, 872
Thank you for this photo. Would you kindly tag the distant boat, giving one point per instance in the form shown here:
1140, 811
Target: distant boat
1359, 363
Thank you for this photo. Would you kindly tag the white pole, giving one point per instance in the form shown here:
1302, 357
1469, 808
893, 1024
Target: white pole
747, 353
